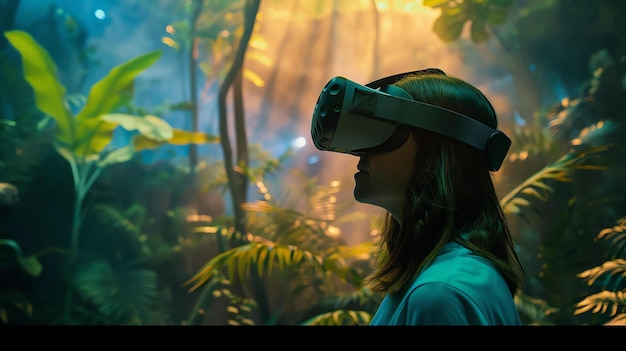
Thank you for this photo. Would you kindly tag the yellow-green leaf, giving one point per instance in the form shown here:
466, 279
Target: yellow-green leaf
151, 127
180, 137
434, 3
120, 155
497, 16
183, 137
259, 57
116, 88
41, 73
65, 153
449, 27
254, 78
32, 265
93, 136
478, 33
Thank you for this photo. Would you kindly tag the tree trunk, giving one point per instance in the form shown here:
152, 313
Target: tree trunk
238, 179
193, 73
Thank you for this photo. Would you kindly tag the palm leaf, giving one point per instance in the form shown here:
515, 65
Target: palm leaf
336, 260
603, 302
286, 225
536, 185
15, 299
617, 237
614, 268
265, 255
341, 317
534, 311
362, 300
123, 294
620, 319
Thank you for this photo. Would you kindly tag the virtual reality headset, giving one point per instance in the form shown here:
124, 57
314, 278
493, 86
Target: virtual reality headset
373, 118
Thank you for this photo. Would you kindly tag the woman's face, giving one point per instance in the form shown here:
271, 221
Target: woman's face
383, 178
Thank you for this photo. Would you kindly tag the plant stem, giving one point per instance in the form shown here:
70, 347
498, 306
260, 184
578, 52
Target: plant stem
82, 182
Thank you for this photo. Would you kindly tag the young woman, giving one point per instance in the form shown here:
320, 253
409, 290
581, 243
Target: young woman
446, 256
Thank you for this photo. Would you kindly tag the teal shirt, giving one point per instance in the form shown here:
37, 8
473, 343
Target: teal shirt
458, 288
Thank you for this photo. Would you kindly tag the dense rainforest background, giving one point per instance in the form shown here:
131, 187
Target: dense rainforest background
156, 166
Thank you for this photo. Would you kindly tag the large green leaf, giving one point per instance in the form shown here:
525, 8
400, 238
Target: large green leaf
116, 88
480, 13
152, 127
97, 133
449, 26
41, 73
16, 300
30, 264
94, 135
120, 155
124, 294
180, 137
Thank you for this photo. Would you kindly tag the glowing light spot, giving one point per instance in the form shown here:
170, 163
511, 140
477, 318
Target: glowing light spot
519, 120
298, 142
205, 230
313, 160
168, 41
523, 155
198, 218
170, 29
333, 231
585, 131
335, 183
100, 14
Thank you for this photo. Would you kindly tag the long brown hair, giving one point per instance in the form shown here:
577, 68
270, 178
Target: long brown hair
451, 192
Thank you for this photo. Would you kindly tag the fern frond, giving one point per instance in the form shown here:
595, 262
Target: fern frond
115, 220
535, 310
620, 319
336, 260
287, 225
617, 236
341, 317
262, 253
536, 187
15, 299
361, 299
612, 268
602, 302
122, 294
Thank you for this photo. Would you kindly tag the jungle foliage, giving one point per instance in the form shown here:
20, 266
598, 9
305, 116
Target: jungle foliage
132, 253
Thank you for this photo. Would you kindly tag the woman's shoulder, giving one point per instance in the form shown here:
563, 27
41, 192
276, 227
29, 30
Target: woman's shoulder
457, 265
